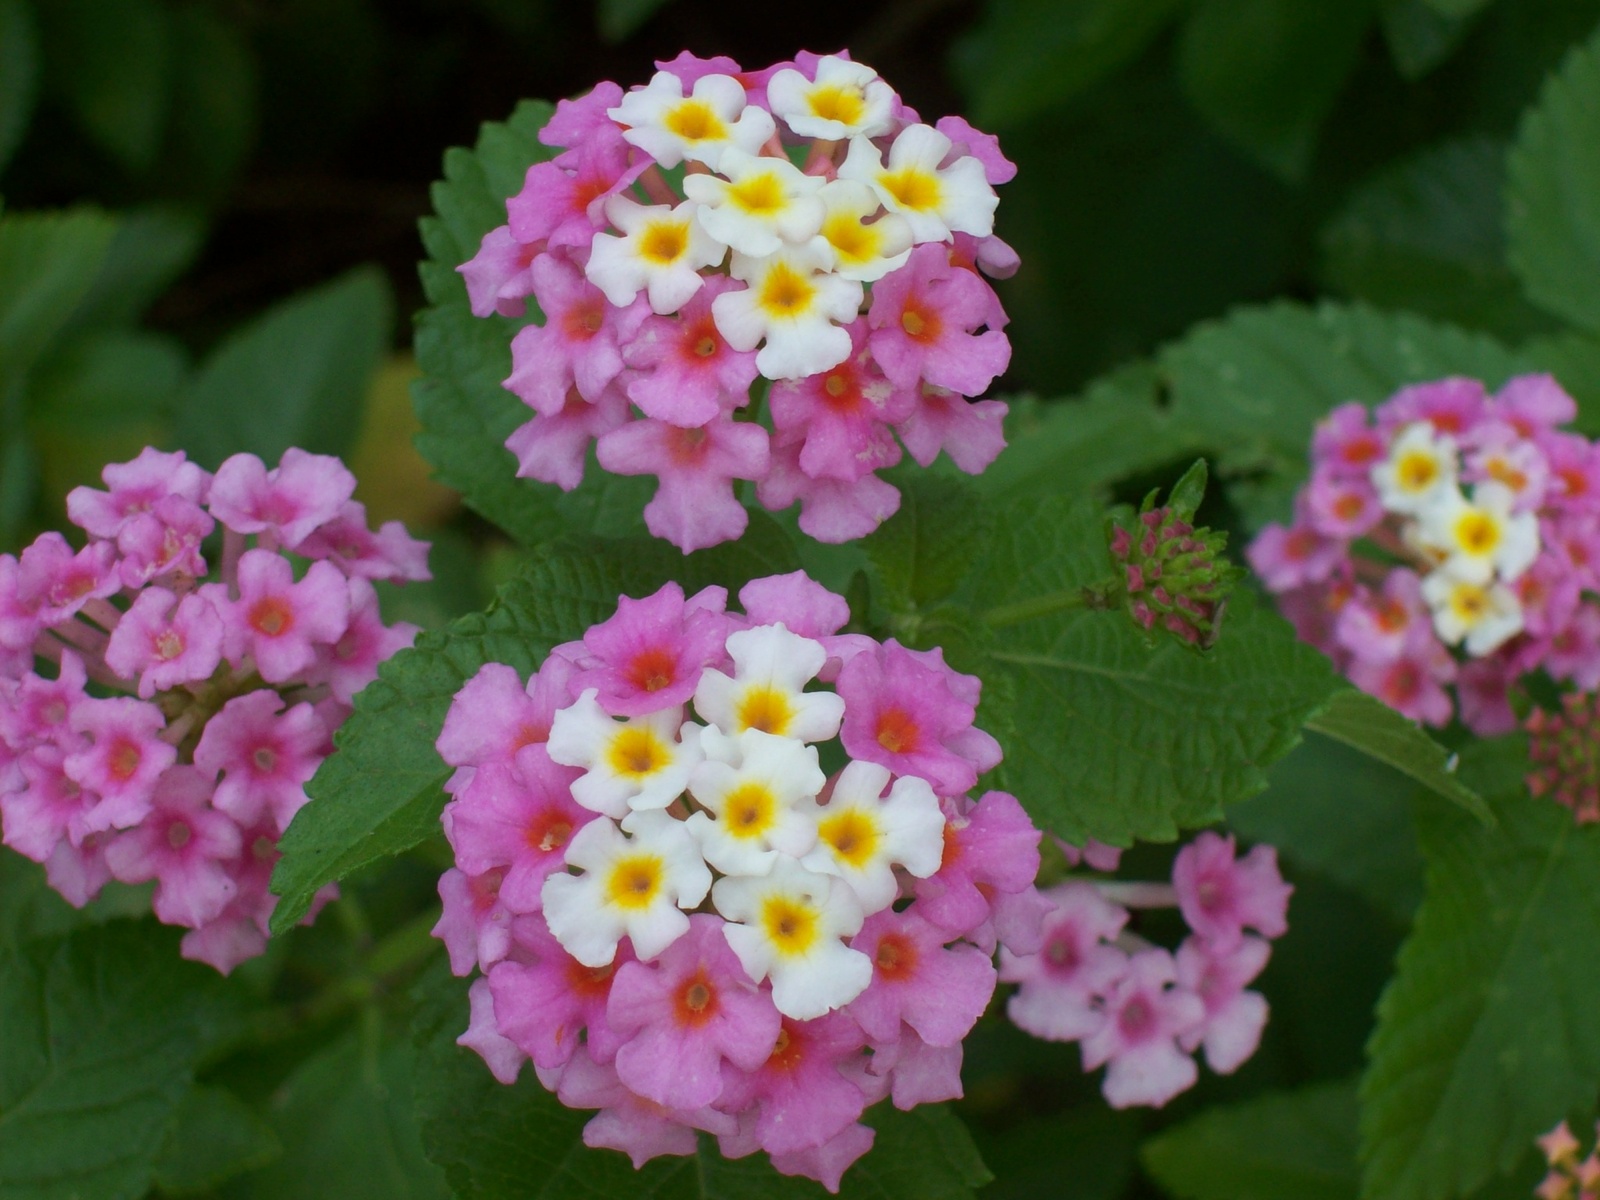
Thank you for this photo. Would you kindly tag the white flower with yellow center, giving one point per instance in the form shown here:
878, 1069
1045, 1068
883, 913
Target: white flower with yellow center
631, 765
863, 249
671, 127
862, 834
786, 927
760, 790
935, 200
1483, 615
763, 204
1419, 470
794, 302
846, 99
1478, 537
634, 887
660, 252
771, 668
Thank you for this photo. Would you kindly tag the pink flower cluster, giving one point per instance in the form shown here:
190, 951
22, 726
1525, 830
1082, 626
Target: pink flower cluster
683, 921
1448, 538
813, 232
1564, 752
1569, 1178
172, 739
1138, 1009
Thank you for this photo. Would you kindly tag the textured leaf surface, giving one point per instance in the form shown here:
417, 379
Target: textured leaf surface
102, 1033
522, 1144
1114, 740
1298, 1144
214, 1136
1489, 1033
295, 376
1554, 198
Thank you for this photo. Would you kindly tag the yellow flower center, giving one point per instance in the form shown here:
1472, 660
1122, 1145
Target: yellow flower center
749, 810
1477, 533
1416, 471
663, 242
635, 881
638, 752
695, 121
760, 194
1469, 602
785, 292
833, 102
912, 188
790, 925
766, 709
854, 241
853, 835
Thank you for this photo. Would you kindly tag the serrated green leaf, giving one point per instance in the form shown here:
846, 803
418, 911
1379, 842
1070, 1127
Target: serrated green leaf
1574, 359
112, 60
1113, 740
48, 262
1266, 73
295, 376
380, 794
1488, 1033
1029, 55
1369, 725
103, 1030
522, 1144
214, 1136
1426, 234
1298, 1144
1553, 202
19, 75
345, 1120
924, 551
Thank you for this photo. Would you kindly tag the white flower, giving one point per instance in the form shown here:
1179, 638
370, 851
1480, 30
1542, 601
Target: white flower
793, 302
632, 887
1420, 469
661, 252
786, 927
935, 200
1485, 615
670, 127
863, 250
763, 204
760, 789
862, 834
634, 764
1478, 537
767, 692
846, 98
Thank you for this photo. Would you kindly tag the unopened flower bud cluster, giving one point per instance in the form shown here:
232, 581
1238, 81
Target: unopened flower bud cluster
714, 227
1136, 1008
158, 721
1450, 537
1174, 576
684, 920
1564, 753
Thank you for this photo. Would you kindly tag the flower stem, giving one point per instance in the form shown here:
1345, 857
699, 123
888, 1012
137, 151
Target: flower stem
1097, 595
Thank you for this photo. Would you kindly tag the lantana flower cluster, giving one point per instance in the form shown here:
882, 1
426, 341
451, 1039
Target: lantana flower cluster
183, 711
1569, 1177
1136, 1008
684, 920
1448, 538
717, 227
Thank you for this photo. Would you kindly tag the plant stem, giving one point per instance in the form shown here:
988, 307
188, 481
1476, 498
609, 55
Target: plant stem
1096, 595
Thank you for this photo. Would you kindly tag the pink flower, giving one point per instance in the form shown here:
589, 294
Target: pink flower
903, 714
351, 545
1075, 966
992, 848
54, 583
47, 810
564, 205
548, 1003
923, 319
917, 1072
494, 716
351, 662
695, 506
984, 147
1533, 404
264, 758
972, 434
831, 510
1451, 406
1145, 1017
940, 991
519, 819
800, 1095
165, 540
475, 926
1378, 629
163, 641
1292, 557
686, 1014
650, 654
688, 374
123, 763
277, 622
1342, 506
302, 492
498, 277
1411, 683
1345, 442
554, 449
842, 415
500, 1054
1234, 1018
576, 121
1221, 896
135, 487
185, 845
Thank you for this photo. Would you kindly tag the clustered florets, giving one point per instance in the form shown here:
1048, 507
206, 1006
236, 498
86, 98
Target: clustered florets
715, 227
684, 921
1174, 575
1448, 518
184, 717
1137, 1008
1564, 751
1569, 1177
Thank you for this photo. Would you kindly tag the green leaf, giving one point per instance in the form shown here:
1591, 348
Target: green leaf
112, 61
923, 552
1425, 234
214, 90
1554, 197
1266, 73
619, 19
107, 379
1347, 816
1367, 724
1113, 740
1086, 1153
295, 376
522, 1144
1029, 55
102, 1034
1458, 8
214, 1136
1574, 359
48, 262
19, 75
345, 1121
1488, 1033
1299, 1144
381, 793
152, 247
1419, 37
